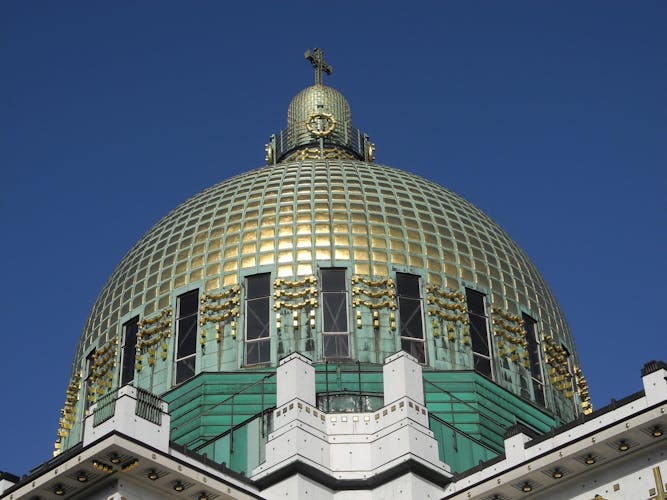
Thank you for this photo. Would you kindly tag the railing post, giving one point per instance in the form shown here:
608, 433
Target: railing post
326, 382
360, 393
261, 424
231, 431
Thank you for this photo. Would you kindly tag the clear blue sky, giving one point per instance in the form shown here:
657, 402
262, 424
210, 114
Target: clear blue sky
550, 116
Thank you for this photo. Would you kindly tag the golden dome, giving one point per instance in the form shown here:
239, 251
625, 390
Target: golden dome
471, 299
294, 217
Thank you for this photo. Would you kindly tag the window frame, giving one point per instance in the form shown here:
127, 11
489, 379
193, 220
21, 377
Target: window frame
475, 348
402, 321
334, 335
265, 339
535, 359
180, 320
128, 354
87, 383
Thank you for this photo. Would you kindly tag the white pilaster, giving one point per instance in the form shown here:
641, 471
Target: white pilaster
402, 378
296, 380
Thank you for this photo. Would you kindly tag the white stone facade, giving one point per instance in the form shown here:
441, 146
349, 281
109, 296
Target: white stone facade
386, 454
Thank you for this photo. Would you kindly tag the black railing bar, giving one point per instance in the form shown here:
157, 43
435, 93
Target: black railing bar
445, 391
219, 403
234, 428
464, 433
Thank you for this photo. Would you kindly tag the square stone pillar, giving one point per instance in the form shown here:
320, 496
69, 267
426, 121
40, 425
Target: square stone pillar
402, 378
295, 380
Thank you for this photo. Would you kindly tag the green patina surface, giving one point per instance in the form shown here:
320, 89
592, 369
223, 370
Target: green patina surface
227, 417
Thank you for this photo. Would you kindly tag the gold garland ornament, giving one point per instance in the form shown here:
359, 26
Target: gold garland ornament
152, 331
68, 412
212, 310
268, 149
448, 306
557, 357
308, 280
510, 328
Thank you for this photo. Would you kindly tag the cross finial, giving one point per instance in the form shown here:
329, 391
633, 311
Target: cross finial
316, 58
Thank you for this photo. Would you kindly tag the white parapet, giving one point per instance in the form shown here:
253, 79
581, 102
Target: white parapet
351, 446
132, 412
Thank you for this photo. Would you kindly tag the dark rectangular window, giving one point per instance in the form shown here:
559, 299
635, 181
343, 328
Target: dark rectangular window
257, 331
88, 382
335, 329
534, 358
187, 308
479, 332
130, 330
411, 319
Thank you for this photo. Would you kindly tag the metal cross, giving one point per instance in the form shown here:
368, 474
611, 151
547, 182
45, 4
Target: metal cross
316, 58
660, 494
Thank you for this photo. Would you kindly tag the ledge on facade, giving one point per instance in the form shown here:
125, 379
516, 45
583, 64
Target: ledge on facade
625, 405
220, 467
613, 405
55, 461
43, 468
304, 469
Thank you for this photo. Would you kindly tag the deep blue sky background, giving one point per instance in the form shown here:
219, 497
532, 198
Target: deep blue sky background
549, 116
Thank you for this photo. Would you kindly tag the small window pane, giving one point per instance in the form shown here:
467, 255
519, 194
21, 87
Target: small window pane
479, 335
475, 302
188, 303
258, 286
187, 336
333, 280
482, 365
411, 318
408, 285
185, 369
258, 352
336, 346
334, 312
257, 318
414, 348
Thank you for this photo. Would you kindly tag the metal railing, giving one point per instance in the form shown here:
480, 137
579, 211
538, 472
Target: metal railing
105, 408
149, 406
351, 139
